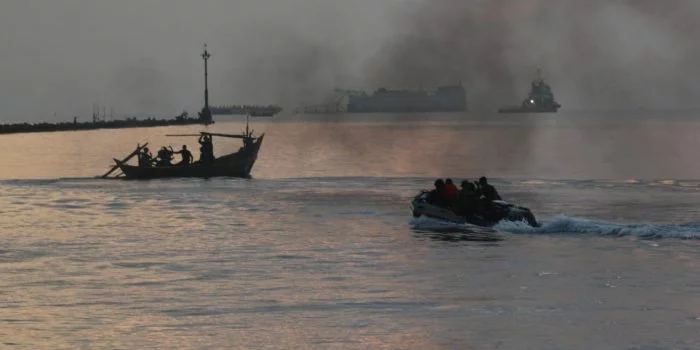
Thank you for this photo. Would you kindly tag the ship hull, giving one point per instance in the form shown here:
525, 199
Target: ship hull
528, 110
404, 110
443, 99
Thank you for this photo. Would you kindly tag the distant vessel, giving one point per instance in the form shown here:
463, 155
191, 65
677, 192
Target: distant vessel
253, 111
445, 99
539, 100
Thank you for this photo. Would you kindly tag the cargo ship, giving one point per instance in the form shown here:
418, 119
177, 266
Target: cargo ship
251, 110
451, 98
539, 100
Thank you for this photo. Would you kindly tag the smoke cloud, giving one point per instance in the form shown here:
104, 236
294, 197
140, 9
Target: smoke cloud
596, 54
142, 57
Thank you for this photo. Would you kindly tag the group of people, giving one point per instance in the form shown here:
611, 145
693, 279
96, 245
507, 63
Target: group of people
472, 197
165, 155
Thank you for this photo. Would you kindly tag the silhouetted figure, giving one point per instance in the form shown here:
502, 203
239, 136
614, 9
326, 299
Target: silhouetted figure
186, 156
206, 149
487, 191
468, 200
145, 158
165, 157
450, 191
437, 195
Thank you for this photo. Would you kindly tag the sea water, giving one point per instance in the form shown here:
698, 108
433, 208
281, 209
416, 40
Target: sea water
319, 250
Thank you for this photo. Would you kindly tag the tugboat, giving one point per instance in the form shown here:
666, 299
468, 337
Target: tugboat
539, 100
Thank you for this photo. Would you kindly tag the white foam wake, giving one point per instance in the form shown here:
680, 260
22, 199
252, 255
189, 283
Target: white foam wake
568, 225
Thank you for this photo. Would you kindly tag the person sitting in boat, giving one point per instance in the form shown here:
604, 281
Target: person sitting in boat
468, 202
145, 158
165, 157
186, 156
437, 196
487, 191
451, 190
206, 149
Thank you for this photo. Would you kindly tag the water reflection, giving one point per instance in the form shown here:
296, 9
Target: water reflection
565, 146
318, 250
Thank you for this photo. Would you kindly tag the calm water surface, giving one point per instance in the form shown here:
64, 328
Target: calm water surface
319, 250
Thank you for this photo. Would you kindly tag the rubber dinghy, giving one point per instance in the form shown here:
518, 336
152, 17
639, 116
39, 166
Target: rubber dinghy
499, 211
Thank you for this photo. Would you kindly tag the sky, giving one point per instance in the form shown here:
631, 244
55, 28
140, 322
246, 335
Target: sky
596, 54
141, 57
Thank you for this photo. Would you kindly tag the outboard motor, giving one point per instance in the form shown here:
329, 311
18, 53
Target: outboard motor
523, 214
505, 210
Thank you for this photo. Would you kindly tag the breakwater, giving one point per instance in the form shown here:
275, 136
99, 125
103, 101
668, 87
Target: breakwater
101, 124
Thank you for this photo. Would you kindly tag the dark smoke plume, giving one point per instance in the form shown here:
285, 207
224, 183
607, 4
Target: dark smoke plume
596, 54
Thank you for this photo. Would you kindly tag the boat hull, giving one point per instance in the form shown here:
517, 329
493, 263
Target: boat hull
501, 211
237, 164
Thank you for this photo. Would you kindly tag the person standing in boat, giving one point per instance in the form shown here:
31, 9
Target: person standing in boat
206, 149
186, 156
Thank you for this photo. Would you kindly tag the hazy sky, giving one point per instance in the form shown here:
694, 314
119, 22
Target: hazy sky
597, 54
142, 56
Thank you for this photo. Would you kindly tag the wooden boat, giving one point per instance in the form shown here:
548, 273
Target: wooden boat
237, 164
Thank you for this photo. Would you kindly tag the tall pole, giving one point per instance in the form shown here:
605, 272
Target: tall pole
205, 56
205, 116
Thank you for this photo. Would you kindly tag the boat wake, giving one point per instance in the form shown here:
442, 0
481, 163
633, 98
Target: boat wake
563, 225
568, 225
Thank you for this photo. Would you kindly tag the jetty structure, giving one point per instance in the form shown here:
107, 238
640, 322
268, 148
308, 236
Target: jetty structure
204, 118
